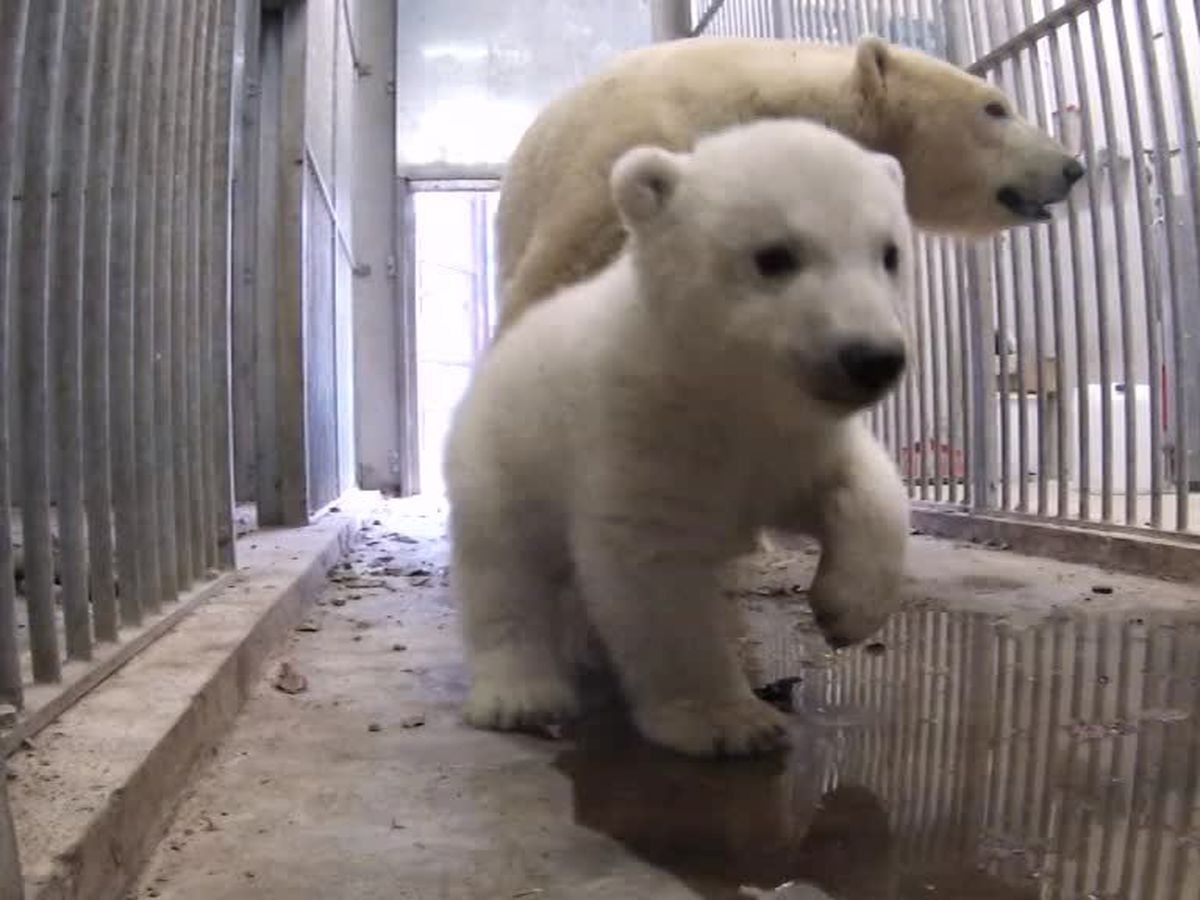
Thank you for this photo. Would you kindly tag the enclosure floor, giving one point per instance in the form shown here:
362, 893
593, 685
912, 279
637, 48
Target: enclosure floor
1007, 736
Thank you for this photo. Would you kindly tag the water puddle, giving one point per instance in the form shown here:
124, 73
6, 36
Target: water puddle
964, 756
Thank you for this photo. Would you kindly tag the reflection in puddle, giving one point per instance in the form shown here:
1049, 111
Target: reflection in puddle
971, 758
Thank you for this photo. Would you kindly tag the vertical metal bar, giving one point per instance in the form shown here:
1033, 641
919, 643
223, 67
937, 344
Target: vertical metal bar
12, 883
247, 267
1077, 298
1097, 261
66, 324
289, 285
206, 237
1039, 101
229, 85
969, 383
1149, 272
32, 262
13, 18
97, 458
934, 262
193, 286
1003, 394
1176, 288
982, 301
149, 536
1186, 354
166, 360
921, 298
181, 249
121, 291
951, 343
1121, 261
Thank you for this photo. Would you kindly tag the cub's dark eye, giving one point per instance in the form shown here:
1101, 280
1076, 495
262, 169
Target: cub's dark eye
996, 110
776, 261
891, 257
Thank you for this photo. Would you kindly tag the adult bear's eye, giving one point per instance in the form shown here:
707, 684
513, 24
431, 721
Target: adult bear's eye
996, 110
891, 257
776, 261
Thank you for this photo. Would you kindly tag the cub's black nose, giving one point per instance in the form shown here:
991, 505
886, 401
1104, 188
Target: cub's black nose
872, 367
1073, 171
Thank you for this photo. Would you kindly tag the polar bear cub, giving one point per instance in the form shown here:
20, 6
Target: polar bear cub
629, 437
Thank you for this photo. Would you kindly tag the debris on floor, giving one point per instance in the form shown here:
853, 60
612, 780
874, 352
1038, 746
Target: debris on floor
289, 681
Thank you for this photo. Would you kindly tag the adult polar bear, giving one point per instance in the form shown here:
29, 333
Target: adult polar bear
971, 164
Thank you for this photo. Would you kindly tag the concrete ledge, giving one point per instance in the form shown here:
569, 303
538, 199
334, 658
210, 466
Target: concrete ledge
1136, 552
94, 792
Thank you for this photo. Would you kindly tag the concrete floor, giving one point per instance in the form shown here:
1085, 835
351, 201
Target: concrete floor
1023, 729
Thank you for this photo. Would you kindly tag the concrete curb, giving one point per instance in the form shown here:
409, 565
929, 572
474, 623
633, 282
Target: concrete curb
142, 733
1158, 555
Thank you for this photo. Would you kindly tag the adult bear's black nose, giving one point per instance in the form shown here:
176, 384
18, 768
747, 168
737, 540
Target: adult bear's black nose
872, 367
1073, 171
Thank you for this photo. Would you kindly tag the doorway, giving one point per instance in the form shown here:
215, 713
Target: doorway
455, 307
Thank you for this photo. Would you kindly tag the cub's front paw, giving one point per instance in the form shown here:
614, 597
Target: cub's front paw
510, 704
735, 728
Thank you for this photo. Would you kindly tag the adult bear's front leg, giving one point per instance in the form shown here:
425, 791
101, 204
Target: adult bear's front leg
863, 524
654, 597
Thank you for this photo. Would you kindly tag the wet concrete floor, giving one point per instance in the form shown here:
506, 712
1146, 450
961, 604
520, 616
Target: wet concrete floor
1024, 729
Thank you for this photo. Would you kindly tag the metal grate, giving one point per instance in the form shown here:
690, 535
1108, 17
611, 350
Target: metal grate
114, 467
1057, 365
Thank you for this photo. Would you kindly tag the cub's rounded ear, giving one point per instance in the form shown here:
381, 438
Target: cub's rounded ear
891, 167
873, 59
643, 181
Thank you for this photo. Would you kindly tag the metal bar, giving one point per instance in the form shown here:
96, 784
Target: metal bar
266, 455
921, 368
1004, 395
32, 263
289, 284
1050, 233
1034, 245
97, 456
170, 122
967, 381
149, 535
12, 883
193, 424
12, 52
327, 199
124, 217
66, 324
206, 233
949, 298
1034, 32
1165, 179
1100, 281
1121, 256
706, 17
981, 309
246, 265
935, 262
1083, 434
232, 29
182, 451
1149, 270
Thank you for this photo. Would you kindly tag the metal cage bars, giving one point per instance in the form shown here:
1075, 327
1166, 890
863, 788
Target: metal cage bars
1056, 365
115, 122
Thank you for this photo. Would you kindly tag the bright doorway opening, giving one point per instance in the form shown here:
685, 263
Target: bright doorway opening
455, 309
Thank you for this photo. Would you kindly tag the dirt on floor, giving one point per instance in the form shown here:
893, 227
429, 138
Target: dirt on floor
1022, 729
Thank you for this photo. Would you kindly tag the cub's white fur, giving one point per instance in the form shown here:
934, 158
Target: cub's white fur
629, 437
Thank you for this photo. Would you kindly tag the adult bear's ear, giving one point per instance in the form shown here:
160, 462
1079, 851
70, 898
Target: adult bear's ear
873, 59
643, 182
